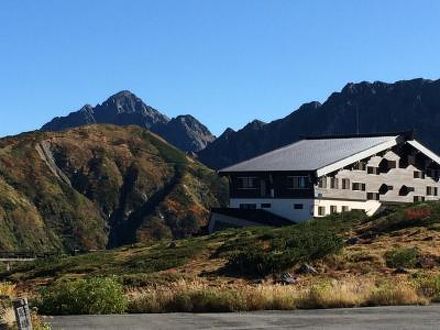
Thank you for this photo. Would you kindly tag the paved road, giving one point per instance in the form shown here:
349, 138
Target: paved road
411, 317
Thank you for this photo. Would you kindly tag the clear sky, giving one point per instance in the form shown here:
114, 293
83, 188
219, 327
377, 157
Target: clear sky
225, 62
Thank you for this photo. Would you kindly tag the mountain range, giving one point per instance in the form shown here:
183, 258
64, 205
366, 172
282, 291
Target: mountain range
125, 108
363, 107
358, 108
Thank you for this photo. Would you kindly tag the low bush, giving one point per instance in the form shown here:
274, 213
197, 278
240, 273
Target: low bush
254, 260
153, 279
275, 253
96, 295
402, 257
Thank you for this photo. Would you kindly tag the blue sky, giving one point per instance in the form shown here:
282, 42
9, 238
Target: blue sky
225, 62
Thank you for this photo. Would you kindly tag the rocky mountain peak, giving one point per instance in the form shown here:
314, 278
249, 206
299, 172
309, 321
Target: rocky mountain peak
228, 131
125, 108
186, 133
87, 108
255, 124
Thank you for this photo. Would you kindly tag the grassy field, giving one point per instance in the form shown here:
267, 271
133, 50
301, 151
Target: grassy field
392, 258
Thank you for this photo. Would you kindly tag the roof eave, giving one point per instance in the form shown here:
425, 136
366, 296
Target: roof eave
225, 173
425, 151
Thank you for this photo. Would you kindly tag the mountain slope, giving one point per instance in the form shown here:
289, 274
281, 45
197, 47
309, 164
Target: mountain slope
364, 107
98, 186
125, 108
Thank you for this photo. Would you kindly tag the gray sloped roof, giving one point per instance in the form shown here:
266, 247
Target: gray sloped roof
312, 154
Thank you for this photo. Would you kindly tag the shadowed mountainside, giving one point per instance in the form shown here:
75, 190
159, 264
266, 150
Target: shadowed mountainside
364, 107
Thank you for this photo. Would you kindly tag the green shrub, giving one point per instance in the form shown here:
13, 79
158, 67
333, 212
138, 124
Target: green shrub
291, 245
144, 280
96, 295
402, 257
253, 260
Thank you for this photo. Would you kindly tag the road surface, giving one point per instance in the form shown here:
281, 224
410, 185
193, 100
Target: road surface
403, 317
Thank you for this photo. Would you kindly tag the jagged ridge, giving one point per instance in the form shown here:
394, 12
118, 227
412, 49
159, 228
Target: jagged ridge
125, 108
364, 107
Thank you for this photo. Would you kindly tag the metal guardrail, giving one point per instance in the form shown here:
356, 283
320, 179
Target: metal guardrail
41, 254
26, 255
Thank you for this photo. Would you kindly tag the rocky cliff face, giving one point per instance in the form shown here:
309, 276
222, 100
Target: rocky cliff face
125, 108
99, 186
364, 107
186, 133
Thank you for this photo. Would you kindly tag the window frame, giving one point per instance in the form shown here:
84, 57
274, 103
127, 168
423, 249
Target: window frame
431, 191
322, 182
243, 186
374, 170
298, 206
419, 174
334, 183
347, 186
362, 186
376, 196
248, 206
297, 177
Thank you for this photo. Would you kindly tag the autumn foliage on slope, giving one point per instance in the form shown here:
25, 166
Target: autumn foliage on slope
99, 186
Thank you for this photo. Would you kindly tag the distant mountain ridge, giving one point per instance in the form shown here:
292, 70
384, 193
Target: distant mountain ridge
125, 108
362, 107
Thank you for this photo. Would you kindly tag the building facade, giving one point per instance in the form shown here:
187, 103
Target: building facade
319, 176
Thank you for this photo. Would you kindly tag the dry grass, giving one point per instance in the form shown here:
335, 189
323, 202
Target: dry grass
7, 316
402, 293
7, 289
197, 296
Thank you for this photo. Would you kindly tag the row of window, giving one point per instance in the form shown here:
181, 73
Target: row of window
386, 165
322, 183
302, 182
253, 206
333, 209
293, 182
333, 183
322, 209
